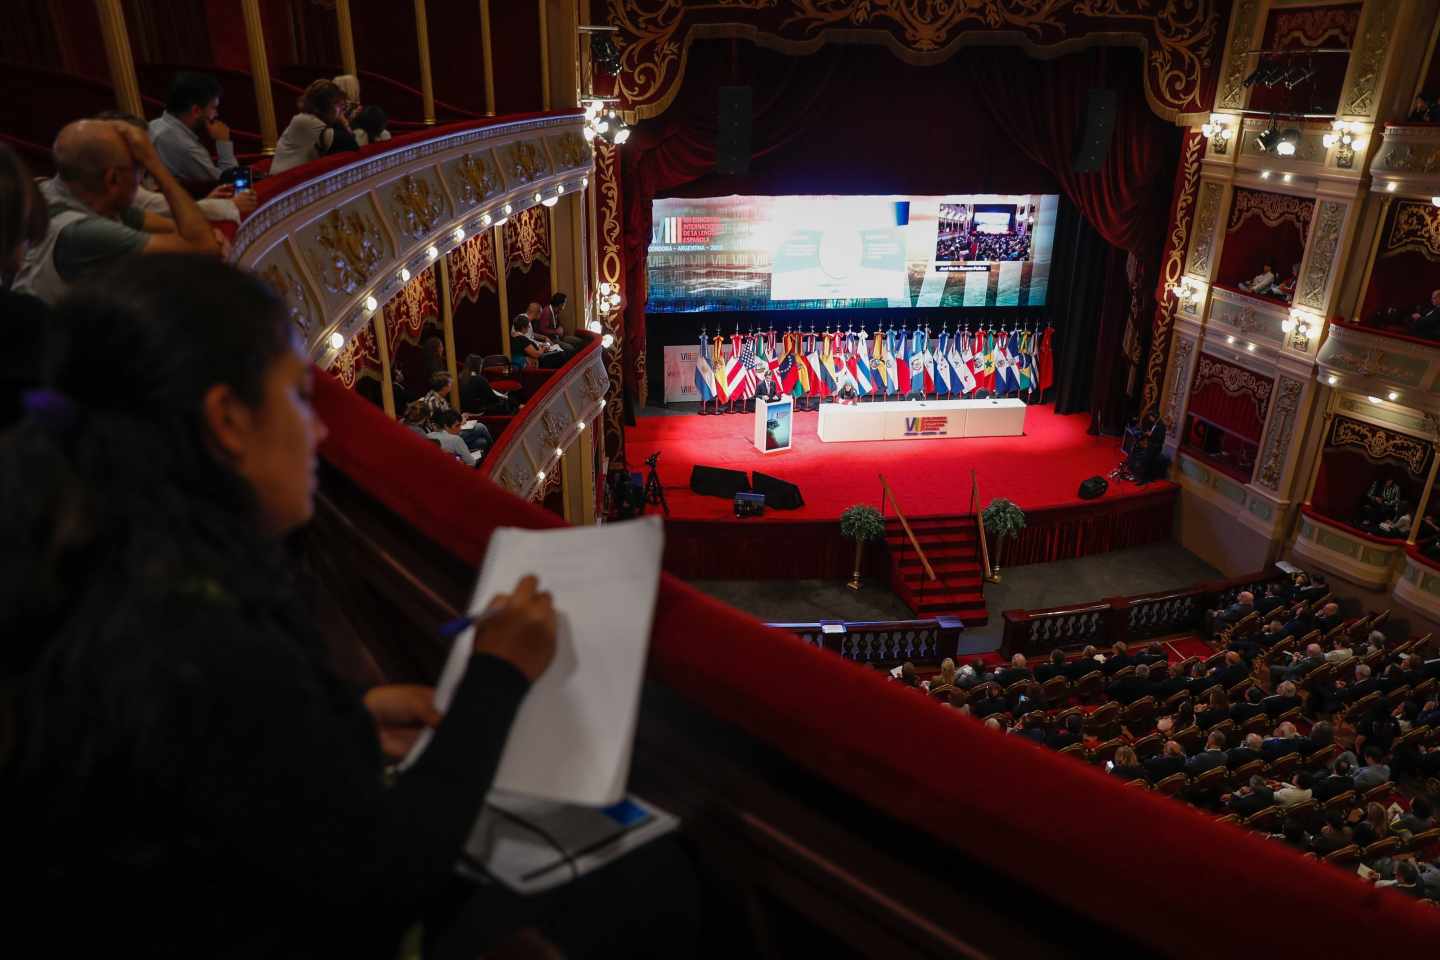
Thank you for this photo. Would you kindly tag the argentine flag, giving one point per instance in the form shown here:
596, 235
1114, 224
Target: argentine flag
704, 375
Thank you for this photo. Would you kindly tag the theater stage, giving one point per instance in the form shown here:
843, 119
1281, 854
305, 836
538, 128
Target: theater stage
1041, 471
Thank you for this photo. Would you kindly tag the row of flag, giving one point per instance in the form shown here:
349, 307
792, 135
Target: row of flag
894, 363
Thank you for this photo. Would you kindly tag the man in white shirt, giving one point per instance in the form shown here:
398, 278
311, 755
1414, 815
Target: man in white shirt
193, 105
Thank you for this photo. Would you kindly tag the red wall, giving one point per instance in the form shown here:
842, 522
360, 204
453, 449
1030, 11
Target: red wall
385, 40
515, 39
457, 59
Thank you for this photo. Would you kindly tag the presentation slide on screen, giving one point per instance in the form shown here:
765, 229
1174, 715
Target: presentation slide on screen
845, 252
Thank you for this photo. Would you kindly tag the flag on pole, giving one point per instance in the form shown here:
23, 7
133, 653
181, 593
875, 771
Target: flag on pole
881, 376
748, 381
836, 360
704, 373
860, 367
929, 363
942, 366
813, 360
1002, 364
717, 363
983, 362
734, 371
1018, 348
917, 362
960, 363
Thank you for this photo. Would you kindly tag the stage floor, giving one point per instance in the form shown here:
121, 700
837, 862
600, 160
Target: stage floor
1041, 469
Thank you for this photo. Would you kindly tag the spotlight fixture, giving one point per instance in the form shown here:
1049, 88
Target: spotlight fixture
1288, 142
602, 120
1268, 137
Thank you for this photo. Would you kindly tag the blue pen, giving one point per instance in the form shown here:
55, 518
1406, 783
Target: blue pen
453, 628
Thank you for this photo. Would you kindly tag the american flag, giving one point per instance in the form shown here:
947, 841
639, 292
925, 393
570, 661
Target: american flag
748, 360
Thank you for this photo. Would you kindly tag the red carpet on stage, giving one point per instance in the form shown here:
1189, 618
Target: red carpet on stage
1041, 469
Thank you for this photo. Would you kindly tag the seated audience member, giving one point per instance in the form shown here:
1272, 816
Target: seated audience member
1213, 755
1297, 792
1340, 650
24, 319
1249, 750
1322, 735
1399, 528
1169, 761
994, 724
1269, 601
1339, 780
526, 351
1055, 667
967, 677
1215, 709
1250, 799
944, 681
1118, 659
1374, 772
1285, 741
1127, 764
447, 434
1285, 289
1071, 732
221, 203
1381, 503
192, 108
1407, 880
1131, 687
1083, 664
417, 418
1017, 671
174, 669
1172, 682
1261, 282
93, 220
1298, 666
369, 126
1233, 670
1421, 817
1242, 607
1419, 109
1250, 705
1284, 699
438, 397
317, 129
1328, 618
1425, 321
908, 677
349, 84
1292, 832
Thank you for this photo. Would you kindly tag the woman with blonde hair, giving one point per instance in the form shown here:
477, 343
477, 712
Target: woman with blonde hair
1126, 764
944, 681
366, 123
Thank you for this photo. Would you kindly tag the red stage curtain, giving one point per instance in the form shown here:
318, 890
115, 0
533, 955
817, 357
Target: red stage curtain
1010, 125
1231, 397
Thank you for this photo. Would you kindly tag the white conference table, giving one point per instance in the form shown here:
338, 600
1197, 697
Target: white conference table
921, 420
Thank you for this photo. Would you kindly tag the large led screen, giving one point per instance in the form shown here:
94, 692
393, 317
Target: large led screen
845, 252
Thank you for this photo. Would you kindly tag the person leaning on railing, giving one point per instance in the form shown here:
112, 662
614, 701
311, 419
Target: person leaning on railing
319, 128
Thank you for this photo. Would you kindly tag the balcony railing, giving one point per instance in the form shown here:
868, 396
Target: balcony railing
1377, 363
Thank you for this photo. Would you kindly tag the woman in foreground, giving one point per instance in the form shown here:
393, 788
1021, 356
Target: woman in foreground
181, 768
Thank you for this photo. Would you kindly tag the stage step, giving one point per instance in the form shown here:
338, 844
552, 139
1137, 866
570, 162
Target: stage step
952, 546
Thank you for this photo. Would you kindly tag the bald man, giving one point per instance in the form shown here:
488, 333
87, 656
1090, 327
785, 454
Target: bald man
93, 220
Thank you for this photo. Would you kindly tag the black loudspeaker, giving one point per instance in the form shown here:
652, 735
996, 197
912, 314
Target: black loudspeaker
732, 140
717, 482
1094, 487
779, 495
1094, 139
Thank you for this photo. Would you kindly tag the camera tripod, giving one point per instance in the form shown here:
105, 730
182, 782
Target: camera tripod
654, 493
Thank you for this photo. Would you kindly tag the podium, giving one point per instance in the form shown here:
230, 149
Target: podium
773, 421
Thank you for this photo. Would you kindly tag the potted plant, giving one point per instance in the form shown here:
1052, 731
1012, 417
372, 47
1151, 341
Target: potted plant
1002, 519
860, 523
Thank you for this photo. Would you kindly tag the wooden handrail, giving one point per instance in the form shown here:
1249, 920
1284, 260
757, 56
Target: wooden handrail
890, 494
980, 524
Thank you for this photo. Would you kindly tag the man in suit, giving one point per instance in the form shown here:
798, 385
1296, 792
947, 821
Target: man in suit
1321, 736
1270, 601
1285, 740
1250, 799
1250, 647
1131, 687
1247, 751
1085, 663
1329, 618
1243, 605
1119, 659
1170, 760
1298, 622
1249, 707
1071, 732
1232, 671
1299, 667
1392, 678
1172, 683
1421, 817
1015, 672
1054, 668
1329, 787
1212, 756
1284, 699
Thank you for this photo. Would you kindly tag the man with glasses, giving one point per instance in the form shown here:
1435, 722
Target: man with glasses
93, 220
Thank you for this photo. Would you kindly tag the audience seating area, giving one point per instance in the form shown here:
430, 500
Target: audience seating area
1327, 739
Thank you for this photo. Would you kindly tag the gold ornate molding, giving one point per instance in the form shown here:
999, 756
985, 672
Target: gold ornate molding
1323, 245
298, 305
1234, 381
1367, 58
1282, 430
351, 248
1184, 347
1415, 227
1273, 209
1207, 213
610, 233
1378, 443
418, 206
525, 162
478, 178
1233, 93
571, 150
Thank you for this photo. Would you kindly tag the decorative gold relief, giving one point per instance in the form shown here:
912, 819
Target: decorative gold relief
1234, 381
292, 291
1408, 158
527, 162
571, 150
1184, 346
1273, 209
1238, 66
353, 249
609, 230
1416, 227
514, 479
1377, 443
417, 208
1324, 241
1207, 212
1367, 57
593, 385
477, 178
1282, 428
1243, 319
1322, 27
552, 430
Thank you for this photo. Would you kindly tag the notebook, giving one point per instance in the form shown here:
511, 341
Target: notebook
572, 737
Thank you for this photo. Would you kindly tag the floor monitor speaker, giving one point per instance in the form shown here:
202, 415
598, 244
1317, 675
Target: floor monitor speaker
779, 494
717, 481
